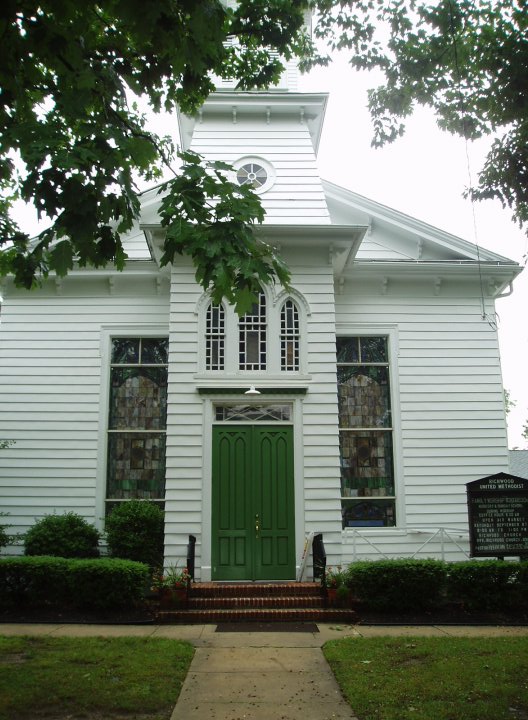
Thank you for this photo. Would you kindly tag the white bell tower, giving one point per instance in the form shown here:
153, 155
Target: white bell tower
271, 137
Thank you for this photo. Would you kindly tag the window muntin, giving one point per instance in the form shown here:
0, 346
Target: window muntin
215, 337
290, 336
137, 419
252, 337
365, 432
252, 174
253, 413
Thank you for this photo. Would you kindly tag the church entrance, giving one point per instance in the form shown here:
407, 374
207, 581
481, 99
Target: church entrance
253, 514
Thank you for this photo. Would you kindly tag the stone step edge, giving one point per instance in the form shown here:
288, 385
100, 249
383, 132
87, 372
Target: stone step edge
279, 603
205, 617
251, 590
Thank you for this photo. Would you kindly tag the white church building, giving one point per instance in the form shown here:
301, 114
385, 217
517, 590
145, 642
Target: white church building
357, 405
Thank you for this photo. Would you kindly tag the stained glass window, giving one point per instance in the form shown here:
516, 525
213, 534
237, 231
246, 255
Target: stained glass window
137, 419
365, 432
290, 336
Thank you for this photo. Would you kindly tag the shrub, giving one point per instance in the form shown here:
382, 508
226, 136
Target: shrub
68, 535
489, 584
108, 583
135, 531
5, 539
32, 581
64, 584
397, 584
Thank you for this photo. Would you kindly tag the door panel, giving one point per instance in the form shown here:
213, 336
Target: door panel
253, 503
231, 465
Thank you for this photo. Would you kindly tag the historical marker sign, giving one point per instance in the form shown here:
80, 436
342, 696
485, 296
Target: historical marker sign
498, 516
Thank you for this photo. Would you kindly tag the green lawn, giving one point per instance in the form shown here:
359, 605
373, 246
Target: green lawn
433, 678
91, 677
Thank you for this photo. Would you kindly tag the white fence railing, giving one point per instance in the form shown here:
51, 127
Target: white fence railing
446, 540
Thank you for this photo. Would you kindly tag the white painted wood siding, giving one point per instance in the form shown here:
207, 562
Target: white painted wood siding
297, 195
188, 504
313, 278
450, 423
185, 422
50, 391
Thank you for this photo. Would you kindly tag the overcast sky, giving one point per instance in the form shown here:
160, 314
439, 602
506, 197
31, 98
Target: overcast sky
424, 175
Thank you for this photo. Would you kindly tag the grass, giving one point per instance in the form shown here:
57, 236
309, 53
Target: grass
91, 677
433, 678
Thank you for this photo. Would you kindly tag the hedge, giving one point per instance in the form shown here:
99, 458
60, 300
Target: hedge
401, 584
408, 584
63, 583
489, 584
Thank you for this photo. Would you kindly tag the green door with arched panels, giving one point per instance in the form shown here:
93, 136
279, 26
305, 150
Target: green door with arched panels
253, 513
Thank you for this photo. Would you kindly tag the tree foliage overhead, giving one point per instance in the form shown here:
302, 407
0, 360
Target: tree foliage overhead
466, 59
73, 142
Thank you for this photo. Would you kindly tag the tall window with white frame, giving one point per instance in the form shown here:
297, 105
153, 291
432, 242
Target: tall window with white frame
252, 340
365, 432
214, 337
137, 420
290, 336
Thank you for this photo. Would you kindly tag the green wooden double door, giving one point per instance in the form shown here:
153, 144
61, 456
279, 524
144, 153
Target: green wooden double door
253, 514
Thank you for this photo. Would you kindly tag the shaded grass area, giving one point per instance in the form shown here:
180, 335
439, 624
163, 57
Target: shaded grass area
91, 678
415, 678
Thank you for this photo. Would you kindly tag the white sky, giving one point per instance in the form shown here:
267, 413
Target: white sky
424, 175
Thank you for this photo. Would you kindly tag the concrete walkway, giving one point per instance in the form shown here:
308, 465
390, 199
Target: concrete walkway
259, 676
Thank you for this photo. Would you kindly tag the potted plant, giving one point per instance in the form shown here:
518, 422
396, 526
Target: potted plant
172, 586
334, 580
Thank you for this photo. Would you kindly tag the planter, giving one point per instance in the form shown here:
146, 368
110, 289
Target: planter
331, 596
172, 598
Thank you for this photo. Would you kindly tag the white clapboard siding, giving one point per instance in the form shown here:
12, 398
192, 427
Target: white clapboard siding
51, 370
297, 193
449, 409
321, 474
185, 422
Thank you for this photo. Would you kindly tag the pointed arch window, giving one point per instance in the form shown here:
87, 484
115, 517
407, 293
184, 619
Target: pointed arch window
252, 337
215, 337
289, 336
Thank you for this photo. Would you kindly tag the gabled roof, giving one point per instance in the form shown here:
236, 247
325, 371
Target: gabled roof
424, 241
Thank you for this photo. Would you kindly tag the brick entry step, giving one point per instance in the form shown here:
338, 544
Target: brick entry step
210, 603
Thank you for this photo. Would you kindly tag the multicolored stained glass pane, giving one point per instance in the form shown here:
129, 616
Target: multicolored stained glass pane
125, 351
366, 463
138, 398
154, 351
364, 396
368, 513
373, 349
364, 349
136, 466
347, 349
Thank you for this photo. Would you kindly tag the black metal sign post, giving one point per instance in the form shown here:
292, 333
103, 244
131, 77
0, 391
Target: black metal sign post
498, 516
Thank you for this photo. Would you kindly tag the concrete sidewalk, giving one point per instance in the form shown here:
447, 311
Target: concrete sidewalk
259, 676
